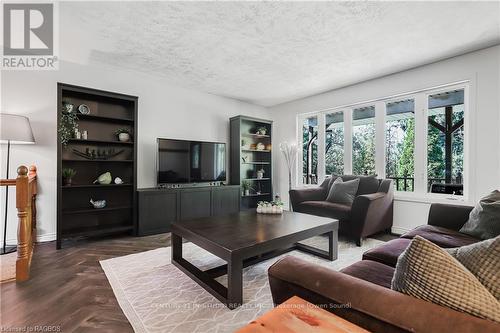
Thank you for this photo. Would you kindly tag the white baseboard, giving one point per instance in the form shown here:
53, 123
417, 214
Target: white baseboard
39, 238
399, 230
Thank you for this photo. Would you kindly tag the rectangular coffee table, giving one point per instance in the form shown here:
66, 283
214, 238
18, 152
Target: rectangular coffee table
244, 239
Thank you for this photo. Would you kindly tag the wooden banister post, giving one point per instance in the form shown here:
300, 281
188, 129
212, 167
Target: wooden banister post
23, 203
34, 192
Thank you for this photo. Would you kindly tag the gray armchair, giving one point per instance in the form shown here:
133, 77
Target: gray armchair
370, 213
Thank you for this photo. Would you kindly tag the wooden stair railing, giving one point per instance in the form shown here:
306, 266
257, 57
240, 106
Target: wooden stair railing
26, 192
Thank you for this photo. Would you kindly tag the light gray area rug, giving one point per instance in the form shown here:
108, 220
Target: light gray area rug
157, 297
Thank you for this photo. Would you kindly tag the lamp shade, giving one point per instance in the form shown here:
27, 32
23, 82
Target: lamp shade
16, 129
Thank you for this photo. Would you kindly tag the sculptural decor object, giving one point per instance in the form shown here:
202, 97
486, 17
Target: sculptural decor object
98, 154
104, 179
98, 203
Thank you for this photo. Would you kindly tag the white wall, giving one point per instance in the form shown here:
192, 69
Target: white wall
164, 111
481, 68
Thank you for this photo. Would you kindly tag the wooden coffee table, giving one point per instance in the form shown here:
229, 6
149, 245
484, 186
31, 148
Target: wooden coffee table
244, 239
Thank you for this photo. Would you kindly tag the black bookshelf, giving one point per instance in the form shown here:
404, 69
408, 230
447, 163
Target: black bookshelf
75, 215
251, 152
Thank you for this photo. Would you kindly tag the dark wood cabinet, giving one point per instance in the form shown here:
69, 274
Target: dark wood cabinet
158, 207
195, 203
226, 200
100, 114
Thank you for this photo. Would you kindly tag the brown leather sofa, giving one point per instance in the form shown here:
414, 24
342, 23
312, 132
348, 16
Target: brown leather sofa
361, 292
370, 213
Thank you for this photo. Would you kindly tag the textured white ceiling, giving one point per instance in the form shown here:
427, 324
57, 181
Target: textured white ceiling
268, 52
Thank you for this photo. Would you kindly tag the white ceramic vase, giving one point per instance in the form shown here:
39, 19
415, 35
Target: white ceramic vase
124, 137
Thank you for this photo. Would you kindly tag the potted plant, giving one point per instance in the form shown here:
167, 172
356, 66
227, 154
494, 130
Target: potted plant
245, 184
123, 134
67, 175
262, 130
68, 125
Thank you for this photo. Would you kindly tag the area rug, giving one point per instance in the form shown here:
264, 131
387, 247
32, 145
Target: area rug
8, 267
157, 297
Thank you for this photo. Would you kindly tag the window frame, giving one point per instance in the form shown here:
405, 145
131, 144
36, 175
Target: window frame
420, 98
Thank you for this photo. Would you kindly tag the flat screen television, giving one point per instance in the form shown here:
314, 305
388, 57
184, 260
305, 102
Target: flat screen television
183, 161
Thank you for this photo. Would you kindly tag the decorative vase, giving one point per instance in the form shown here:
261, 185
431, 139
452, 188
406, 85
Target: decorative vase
67, 181
260, 174
259, 209
247, 192
124, 137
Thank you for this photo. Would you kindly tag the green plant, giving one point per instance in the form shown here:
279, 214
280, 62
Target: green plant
245, 184
122, 130
262, 130
67, 126
68, 173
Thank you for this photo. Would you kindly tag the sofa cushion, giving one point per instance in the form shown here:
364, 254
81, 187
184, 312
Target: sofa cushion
441, 236
484, 220
389, 252
367, 184
483, 260
326, 209
371, 271
428, 272
343, 192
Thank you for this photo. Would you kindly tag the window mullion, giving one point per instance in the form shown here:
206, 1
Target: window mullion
420, 143
321, 148
348, 141
380, 139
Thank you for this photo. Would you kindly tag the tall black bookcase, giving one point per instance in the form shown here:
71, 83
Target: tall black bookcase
251, 152
76, 217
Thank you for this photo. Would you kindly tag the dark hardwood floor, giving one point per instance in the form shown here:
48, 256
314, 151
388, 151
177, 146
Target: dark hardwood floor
68, 289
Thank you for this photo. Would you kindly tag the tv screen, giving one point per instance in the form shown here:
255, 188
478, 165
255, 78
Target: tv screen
181, 161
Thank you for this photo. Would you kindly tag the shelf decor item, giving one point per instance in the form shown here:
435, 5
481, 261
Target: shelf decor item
260, 173
98, 204
260, 146
123, 134
261, 130
68, 107
246, 187
84, 109
104, 179
289, 152
68, 174
118, 181
273, 207
99, 154
15, 129
68, 125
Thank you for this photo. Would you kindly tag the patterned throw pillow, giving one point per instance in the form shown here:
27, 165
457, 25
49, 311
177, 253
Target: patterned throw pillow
343, 192
483, 260
484, 219
428, 272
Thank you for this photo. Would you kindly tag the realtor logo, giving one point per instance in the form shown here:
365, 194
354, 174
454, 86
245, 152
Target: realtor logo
28, 36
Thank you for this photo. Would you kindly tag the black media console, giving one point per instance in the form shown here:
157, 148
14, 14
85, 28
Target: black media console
159, 207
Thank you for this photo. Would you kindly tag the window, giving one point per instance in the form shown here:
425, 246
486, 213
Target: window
419, 140
400, 144
310, 151
334, 143
363, 141
445, 143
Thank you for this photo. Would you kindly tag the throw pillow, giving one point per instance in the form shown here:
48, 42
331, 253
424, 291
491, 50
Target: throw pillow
483, 260
426, 271
484, 219
343, 192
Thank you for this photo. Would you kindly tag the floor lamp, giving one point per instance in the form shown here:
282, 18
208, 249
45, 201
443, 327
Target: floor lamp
14, 129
